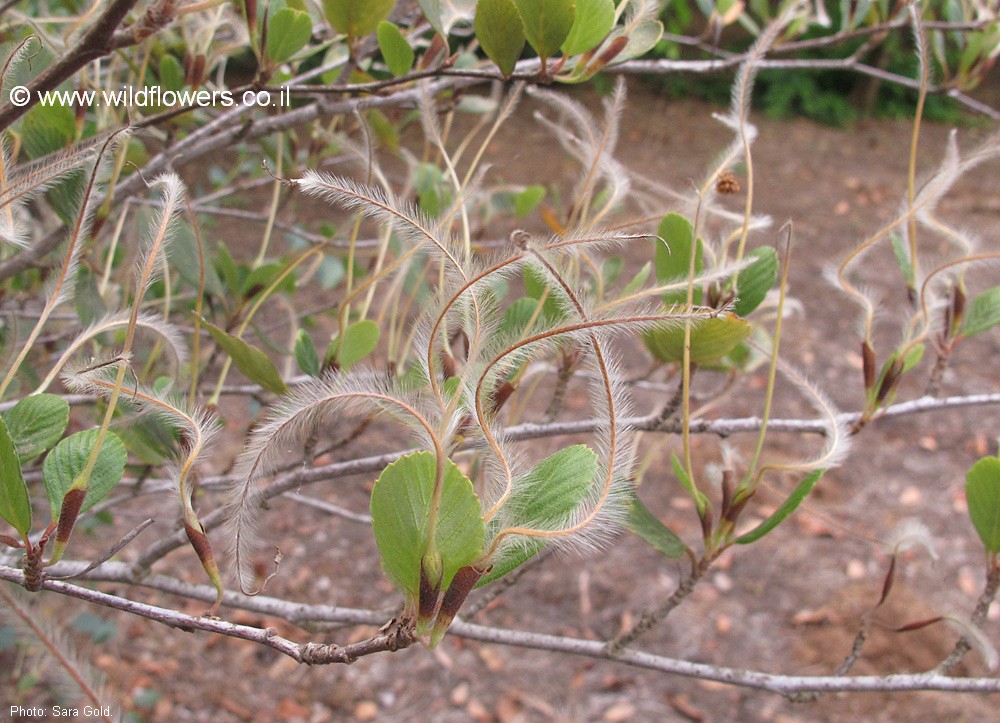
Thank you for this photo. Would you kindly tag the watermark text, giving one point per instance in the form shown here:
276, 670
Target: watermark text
151, 96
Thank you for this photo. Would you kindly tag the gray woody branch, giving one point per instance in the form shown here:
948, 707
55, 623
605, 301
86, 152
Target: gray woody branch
394, 637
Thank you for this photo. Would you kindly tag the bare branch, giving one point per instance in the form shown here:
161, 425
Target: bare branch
394, 635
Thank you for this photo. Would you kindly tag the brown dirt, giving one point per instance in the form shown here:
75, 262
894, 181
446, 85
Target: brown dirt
789, 604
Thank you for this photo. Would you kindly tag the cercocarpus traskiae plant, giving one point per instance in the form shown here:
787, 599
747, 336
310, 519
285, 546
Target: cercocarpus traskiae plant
473, 309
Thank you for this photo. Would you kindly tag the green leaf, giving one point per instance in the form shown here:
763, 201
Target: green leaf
36, 423
87, 299
69, 459
700, 500
251, 361
983, 313
262, 277
527, 200
400, 509
544, 499
648, 527
902, 258
360, 340
611, 269
982, 494
95, 627
184, 257
711, 339
787, 507
518, 315
638, 281
228, 271
431, 190
47, 128
673, 261
15, 507
388, 135
357, 18
546, 23
171, 73
554, 488
395, 49
913, 357
593, 21
432, 11
756, 280
306, 355
641, 40
500, 32
536, 284
287, 33
149, 439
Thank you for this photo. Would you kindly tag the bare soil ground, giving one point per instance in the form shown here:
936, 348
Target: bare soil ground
790, 604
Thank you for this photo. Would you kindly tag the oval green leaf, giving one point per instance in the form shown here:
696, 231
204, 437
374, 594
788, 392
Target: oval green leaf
800, 492
553, 489
638, 281
701, 502
902, 258
395, 49
647, 526
518, 316
249, 360
357, 18
982, 494
36, 423
400, 509
756, 280
47, 129
711, 340
641, 40
15, 507
546, 23
360, 340
527, 200
983, 313
287, 33
591, 24
544, 498
537, 285
500, 32
69, 459
171, 73
306, 355
432, 11
673, 260
186, 258
913, 357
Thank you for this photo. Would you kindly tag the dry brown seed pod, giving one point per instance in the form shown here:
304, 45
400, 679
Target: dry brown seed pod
727, 183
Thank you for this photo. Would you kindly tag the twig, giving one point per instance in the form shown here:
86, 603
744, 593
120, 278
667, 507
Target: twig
670, 408
329, 508
852, 657
563, 377
723, 427
651, 618
726, 427
787, 685
964, 645
396, 635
